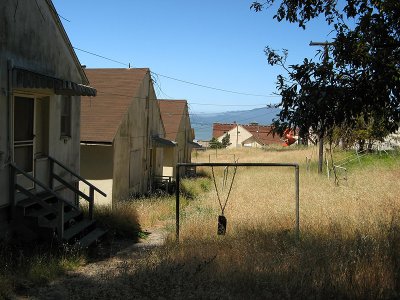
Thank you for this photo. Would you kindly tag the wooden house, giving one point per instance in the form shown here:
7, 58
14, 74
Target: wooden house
122, 134
176, 119
246, 135
41, 84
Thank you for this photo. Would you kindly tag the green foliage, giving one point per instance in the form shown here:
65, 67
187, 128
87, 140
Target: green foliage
358, 72
6, 287
193, 188
22, 265
366, 131
215, 144
372, 160
226, 140
122, 219
43, 269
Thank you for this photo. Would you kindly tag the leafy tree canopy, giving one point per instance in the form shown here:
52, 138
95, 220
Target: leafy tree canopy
226, 140
359, 74
215, 144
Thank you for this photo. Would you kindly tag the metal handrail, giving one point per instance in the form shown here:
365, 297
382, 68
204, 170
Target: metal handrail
43, 186
61, 201
77, 176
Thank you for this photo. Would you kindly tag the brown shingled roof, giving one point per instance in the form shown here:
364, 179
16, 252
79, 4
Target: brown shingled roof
262, 133
172, 112
116, 89
220, 129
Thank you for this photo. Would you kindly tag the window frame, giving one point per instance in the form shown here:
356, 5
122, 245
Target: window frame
66, 117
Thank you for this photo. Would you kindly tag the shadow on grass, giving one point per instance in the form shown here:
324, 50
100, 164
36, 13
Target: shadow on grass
255, 264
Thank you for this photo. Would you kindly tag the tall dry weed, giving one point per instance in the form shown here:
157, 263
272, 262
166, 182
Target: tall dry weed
349, 243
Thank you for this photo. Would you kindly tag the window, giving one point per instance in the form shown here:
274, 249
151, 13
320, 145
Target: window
65, 116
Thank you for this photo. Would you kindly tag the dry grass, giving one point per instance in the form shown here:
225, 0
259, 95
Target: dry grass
349, 246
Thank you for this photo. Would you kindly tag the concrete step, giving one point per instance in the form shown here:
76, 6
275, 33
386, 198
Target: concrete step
77, 229
91, 238
73, 214
38, 213
29, 204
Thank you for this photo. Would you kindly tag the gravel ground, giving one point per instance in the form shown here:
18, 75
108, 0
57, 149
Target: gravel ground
92, 280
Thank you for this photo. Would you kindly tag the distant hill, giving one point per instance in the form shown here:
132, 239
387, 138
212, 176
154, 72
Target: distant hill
202, 123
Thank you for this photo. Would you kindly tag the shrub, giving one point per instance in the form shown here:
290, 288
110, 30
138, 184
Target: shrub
122, 218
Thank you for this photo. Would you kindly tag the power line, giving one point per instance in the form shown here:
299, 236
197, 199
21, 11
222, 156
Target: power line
63, 18
110, 59
212, 88
213, 104
259, 105
179, 80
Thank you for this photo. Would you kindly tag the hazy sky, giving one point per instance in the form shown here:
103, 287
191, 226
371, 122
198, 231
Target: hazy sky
217, 43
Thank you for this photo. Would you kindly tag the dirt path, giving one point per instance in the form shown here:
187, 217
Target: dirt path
79, 283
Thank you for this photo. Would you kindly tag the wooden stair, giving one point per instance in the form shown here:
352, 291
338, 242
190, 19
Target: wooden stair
42, 221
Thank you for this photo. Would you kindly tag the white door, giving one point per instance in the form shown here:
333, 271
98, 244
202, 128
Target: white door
24, 137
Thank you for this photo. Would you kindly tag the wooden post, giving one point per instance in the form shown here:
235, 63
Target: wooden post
91, 202
51, 172
327, 168
321, 139
12, 191
320, 154
60, 217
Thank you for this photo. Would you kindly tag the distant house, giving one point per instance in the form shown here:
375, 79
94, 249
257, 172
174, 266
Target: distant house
246, 135
42, 82
176, 119
122, 134
203, 144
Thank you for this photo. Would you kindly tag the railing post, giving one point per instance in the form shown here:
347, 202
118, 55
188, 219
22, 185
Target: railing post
51, 172
12, 190
168, 185
91, 202
60, 217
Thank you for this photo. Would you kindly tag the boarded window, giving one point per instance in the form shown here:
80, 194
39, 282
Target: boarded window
66, 106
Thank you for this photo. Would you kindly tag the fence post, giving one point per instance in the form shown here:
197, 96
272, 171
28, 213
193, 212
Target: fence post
327, 168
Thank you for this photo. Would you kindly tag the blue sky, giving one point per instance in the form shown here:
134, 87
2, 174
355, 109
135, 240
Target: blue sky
213, 43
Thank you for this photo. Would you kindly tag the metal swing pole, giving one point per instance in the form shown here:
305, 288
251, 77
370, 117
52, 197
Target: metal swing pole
297, 186
177, 201
297, 191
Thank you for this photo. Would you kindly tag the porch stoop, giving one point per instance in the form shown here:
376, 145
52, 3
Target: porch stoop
47, 214
43, 224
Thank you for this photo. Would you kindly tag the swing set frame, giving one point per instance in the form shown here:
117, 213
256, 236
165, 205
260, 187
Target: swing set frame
293, 165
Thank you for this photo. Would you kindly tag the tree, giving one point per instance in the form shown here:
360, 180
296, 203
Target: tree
360, 74
215, 144
226, 140
364, 133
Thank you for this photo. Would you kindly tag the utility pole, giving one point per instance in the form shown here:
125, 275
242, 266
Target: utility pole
237, 134
321, 134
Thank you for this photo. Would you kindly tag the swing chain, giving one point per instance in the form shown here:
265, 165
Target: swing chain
230, 188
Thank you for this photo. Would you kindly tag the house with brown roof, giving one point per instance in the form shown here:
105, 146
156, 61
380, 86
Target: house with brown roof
122, 134
246, 135
176, 119
42, 82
